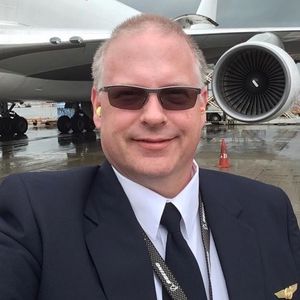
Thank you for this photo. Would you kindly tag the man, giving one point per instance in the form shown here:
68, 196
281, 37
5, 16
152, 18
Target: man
91, 233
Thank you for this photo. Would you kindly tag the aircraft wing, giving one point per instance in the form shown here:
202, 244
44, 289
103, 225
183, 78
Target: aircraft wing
214, 42
47, 64
55, 64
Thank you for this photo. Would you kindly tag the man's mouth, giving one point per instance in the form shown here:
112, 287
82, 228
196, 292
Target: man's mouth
154, 143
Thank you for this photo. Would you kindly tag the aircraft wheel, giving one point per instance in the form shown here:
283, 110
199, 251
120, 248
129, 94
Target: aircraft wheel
77, 123
64, 124
6, 127
89, 125
215, 118
20, 125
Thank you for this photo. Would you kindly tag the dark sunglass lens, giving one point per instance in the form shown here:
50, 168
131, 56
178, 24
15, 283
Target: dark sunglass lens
126, 97
178, 98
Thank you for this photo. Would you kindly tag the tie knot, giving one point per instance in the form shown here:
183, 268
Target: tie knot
171, 218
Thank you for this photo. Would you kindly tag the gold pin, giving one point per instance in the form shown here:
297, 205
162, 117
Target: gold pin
288, 292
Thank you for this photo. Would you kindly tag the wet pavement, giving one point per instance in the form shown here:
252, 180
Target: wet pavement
269, 153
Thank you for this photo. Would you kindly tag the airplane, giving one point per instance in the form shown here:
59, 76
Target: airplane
46, 50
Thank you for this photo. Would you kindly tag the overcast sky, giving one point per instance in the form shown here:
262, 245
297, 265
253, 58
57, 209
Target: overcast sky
231, 13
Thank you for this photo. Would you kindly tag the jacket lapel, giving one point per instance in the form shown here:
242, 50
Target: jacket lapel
235, 241
115, 241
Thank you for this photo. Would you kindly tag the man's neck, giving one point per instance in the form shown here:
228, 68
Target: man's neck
166, 186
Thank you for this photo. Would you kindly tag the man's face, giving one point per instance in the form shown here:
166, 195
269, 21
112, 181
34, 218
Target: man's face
152, 143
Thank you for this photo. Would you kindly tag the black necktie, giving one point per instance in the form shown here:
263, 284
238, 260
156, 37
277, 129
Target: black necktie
179, 257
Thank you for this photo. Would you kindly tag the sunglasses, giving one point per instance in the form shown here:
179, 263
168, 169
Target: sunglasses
134, 97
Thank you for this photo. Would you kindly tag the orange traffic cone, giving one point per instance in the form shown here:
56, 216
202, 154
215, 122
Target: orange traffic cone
224, 160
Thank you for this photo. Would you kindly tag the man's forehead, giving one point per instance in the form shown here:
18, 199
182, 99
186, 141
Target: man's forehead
148, 47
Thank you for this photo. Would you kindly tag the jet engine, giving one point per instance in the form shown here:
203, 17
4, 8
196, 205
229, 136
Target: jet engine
256, 80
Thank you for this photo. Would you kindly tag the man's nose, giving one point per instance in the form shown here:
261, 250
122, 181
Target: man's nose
152, 113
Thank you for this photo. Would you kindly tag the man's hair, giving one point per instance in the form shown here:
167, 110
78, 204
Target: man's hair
144, 21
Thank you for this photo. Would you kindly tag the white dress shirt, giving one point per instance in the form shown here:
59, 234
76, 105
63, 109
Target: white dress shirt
148, 207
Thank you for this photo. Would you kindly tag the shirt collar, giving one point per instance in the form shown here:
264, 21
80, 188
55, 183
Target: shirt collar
148, 205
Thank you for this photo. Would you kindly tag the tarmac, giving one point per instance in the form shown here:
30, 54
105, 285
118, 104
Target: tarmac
268, 153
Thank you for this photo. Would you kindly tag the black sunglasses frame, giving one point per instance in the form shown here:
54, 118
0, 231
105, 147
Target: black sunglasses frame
160, 95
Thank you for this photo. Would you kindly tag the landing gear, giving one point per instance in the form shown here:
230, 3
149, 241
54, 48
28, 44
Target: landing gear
214, 118
79, 122
10, 122
6, 127
20, 125
9, 126
64, 124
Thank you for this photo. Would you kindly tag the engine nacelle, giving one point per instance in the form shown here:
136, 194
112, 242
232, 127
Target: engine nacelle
255, 81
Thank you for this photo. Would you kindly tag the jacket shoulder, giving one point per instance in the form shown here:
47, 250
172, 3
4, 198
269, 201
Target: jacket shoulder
248, 192
52, 178
48, 186
213, 177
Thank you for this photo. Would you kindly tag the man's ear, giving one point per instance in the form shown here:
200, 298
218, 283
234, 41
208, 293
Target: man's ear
204, 99
96, 103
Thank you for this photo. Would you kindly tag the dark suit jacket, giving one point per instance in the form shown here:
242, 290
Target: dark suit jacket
72, 235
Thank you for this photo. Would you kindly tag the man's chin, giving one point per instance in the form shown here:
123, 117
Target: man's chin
153, 170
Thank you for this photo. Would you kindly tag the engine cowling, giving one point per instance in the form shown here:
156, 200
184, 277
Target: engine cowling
255, 81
